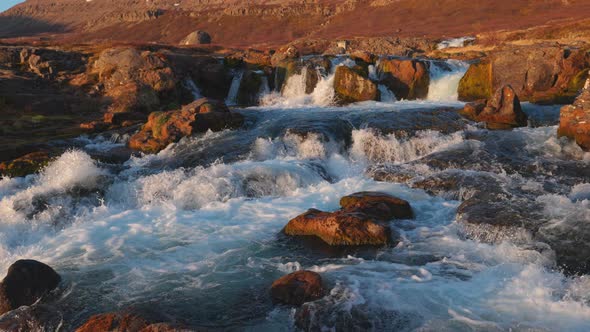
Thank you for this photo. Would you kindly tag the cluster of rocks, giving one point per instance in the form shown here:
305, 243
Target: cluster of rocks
503, 111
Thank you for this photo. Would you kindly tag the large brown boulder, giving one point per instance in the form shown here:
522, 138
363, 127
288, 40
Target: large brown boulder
126, 321
26, 281
297, 288
196, 38
201, 115
503, 111
352, 85
134, 81
378, 205
541, 73
408, 79
574, 120
340, 228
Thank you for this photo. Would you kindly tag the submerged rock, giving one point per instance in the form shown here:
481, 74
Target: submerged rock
503, 111
574, 120
407, 79
26, 281
164, 128
377, 205
297, 288
352, 86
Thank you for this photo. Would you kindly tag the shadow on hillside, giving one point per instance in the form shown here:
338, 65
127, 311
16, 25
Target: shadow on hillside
23, 26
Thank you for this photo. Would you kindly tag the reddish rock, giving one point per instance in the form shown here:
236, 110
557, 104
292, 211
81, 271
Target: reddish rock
377, 205
27, 164
120, 118
26, 281
196, 38
351, 86
574, 120
297, 288
164, 128
408, 79
340, 228
120, 322
503, 111
363, 56
94, 125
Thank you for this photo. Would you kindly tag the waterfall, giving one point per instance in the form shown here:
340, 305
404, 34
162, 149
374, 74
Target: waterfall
193, 88
295, 85
387, 96
234, 88
444, 79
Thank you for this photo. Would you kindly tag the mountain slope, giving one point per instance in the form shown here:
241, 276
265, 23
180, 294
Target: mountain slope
274, 22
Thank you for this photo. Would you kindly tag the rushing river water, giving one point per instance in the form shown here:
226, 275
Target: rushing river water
193, 232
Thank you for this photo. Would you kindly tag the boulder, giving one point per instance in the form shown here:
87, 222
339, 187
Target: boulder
353, 86
407, 79
201, 115
27, 164
340, 228
503, 111
26, 281
249, 91
377, 205
476, 84
196, 38
297, 288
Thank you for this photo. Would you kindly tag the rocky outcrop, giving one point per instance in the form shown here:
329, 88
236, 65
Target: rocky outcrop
164, 128
351, 85
197, 38
574, 119
503, 111
407, 79
27, 164
361, 220
135, 81
542, 73
297, 288
26, 281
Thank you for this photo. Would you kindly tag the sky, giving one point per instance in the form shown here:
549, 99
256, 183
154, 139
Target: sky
5, 4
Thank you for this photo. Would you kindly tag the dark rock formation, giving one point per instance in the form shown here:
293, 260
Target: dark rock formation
26, 281
27, 164
297, 288
378, 205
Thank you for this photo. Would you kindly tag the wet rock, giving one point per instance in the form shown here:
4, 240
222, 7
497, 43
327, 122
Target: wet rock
340, 228
120, 118
27, 164
297, 288
364, 56
196, 38
118, 321
352, 86
476, 84
407, 79
33, 318
377, 205
249, 91
164, 128
26, 281
574, 120
503, 111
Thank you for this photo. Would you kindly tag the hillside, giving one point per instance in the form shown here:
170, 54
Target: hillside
276, 22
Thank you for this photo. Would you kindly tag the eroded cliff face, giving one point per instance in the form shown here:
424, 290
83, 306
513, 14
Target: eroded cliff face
276, 22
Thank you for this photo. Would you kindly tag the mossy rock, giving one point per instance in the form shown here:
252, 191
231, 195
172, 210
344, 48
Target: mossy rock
249, 90
25, 165
350, 86
477, 82
160, 119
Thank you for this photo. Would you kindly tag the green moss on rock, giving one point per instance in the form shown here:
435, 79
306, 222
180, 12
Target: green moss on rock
477, 82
